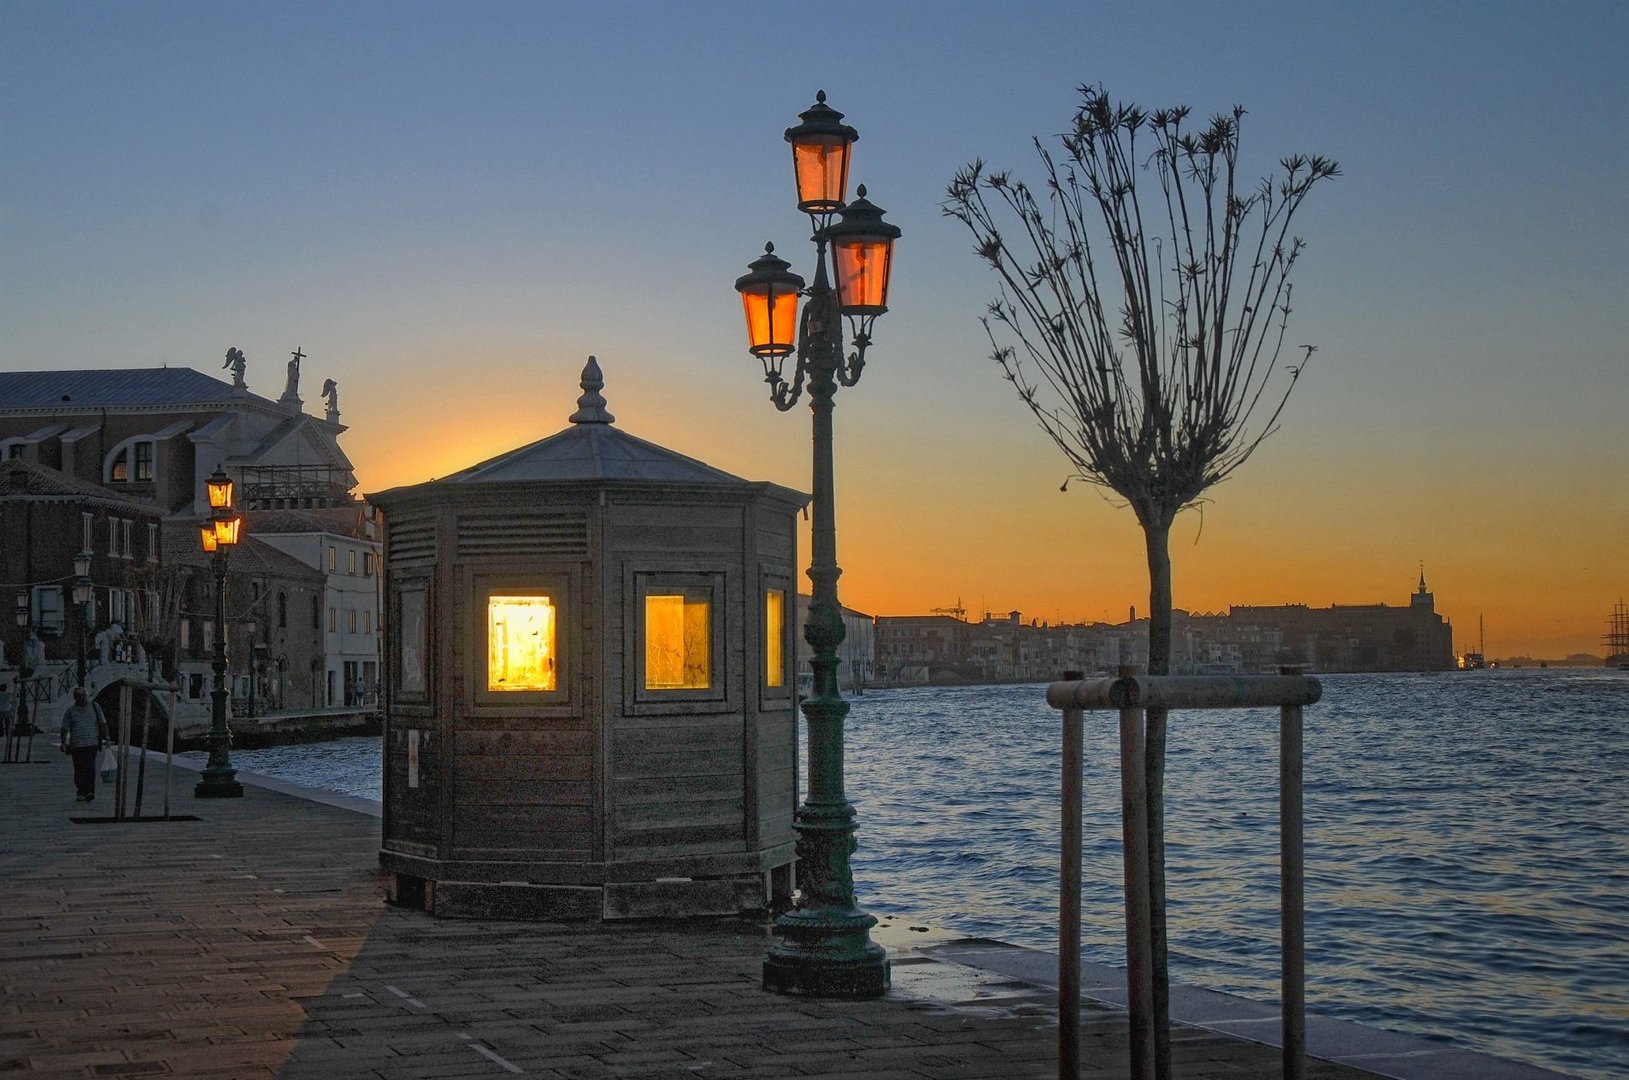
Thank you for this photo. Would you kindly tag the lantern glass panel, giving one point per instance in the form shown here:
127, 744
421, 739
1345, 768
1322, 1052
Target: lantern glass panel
822, 173
206, 536
862, 266
772, 316
521, 643
678, 639
220, 492
775, 637
226, 531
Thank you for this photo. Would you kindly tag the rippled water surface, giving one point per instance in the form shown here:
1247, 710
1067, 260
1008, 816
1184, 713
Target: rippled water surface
1467, 856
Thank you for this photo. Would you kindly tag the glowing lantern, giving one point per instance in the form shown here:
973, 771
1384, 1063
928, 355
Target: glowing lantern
219, 486
769, 293
206, 536
862, 257
520, 641
226, 531
820, 153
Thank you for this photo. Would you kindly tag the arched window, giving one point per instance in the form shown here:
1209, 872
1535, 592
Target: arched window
130, 462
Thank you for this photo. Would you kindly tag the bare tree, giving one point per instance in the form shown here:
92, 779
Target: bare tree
1144, 304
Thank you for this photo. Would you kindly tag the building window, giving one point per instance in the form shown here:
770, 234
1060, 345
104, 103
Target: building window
775, 637
186, 634
367, 621
152, 541
47, 614
333, 621
350, 620
350, 561
522, 643
144, 463
207, 628
124, 537
282, 610
119, 471
367, 564
679, 638
85, 536
14, 450
113, 536
333, 558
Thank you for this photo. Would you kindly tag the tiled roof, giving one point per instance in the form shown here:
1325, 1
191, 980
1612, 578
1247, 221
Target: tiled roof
33, 391
19, 477
179, 541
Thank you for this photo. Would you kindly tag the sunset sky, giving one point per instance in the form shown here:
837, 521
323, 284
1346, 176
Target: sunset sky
450, 206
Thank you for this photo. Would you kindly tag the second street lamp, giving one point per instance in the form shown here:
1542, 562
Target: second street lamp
81, 592
825, 949
218, 536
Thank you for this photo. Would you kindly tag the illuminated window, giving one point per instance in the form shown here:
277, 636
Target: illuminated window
679, 639
775, 637
521, 643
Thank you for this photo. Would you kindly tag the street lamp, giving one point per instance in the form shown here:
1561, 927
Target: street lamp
825, 948
16, 729
82, 599
218, 536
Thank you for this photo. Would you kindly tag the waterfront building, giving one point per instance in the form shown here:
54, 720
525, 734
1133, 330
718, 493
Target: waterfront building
48, 521
591, 710
153, 436
856, 655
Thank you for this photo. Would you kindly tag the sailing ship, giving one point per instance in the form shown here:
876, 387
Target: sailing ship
1475, 661
1617, 637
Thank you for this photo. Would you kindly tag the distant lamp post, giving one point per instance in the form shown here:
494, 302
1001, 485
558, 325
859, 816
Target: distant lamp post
24, 670
82, 591
218, 536
825, 948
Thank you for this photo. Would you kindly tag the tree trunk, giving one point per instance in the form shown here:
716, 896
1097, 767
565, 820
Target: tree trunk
1157, 536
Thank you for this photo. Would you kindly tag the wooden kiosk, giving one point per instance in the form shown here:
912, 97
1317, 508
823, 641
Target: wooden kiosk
589, 659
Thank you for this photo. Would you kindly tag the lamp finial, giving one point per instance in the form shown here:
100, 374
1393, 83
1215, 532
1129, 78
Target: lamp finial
591, 405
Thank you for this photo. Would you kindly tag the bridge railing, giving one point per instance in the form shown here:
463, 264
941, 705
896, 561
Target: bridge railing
1132, 697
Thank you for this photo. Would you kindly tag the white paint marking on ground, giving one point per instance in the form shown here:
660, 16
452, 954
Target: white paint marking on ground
356, 995
490, 1056
405, 996
315, 944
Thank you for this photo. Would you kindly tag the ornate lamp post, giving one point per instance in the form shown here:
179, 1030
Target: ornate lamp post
82, 598
218, 536
825, 948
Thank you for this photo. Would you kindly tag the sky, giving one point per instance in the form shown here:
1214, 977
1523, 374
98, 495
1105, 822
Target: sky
449, 207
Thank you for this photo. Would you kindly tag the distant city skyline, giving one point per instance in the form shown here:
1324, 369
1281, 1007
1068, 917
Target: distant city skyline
447, 209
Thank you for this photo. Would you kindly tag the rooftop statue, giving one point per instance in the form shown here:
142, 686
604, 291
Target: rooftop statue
236, 361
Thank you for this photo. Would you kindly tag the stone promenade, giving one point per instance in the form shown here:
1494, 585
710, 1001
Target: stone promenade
255, 942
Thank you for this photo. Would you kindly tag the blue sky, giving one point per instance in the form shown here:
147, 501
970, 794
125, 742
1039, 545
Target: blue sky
450, 206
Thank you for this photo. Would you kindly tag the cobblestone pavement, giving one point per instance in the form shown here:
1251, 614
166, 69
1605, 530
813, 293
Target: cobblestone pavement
255, 942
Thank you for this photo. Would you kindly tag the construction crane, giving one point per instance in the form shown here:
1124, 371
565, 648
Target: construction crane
958, 612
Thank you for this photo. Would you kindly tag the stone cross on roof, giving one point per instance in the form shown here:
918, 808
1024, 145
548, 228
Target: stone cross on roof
591, 406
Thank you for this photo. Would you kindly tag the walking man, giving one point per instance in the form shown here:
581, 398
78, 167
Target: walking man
84, 731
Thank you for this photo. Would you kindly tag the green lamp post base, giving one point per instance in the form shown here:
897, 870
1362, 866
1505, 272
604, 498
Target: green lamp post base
818, 956
215, 787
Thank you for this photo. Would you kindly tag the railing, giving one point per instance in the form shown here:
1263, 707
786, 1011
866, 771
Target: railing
1133, 696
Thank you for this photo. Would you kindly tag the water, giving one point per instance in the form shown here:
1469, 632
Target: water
1467, 861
